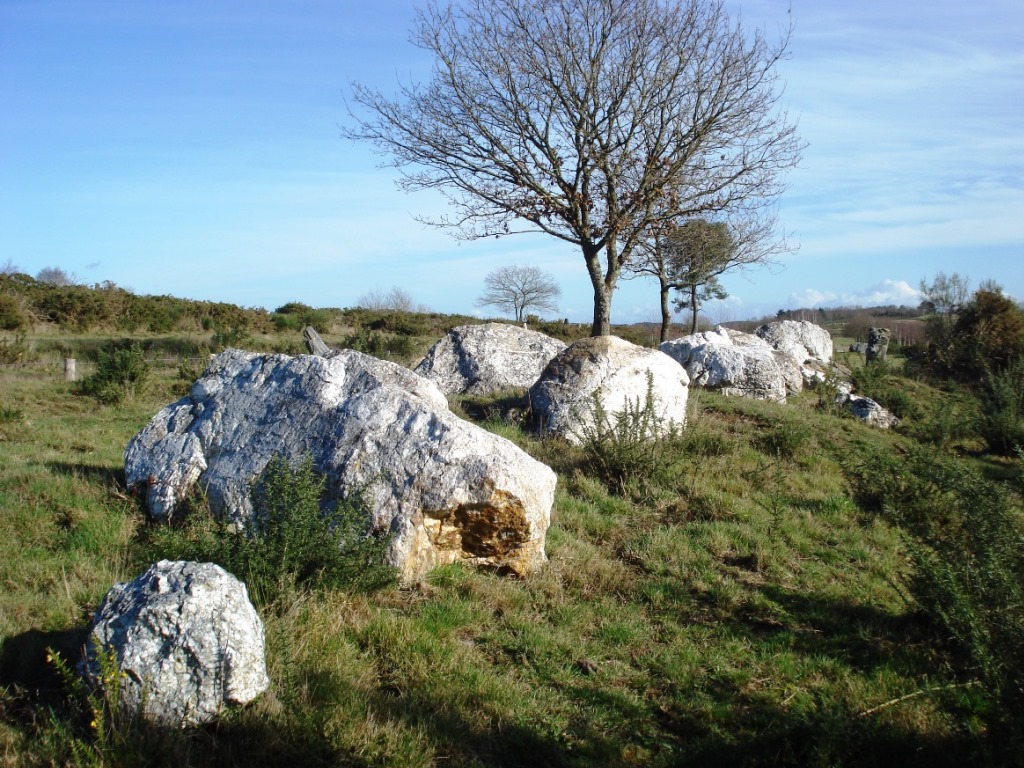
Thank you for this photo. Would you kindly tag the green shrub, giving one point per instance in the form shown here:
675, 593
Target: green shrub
1002, 413
378, 344
120, 375
12, 316
294, 539
631, 453
14, 350
235, 333
785, 439
878, 381
965, 539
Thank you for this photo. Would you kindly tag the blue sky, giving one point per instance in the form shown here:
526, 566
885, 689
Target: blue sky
194, 148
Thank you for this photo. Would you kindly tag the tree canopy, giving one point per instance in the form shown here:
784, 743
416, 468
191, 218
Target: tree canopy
593, 121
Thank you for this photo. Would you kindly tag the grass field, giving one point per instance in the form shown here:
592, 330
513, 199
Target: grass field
744, 607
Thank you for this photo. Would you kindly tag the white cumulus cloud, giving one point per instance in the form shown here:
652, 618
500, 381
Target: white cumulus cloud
888, 291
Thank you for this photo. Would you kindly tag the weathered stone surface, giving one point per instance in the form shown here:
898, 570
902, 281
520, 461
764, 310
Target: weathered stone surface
735, 363
314, 344
800, 339
488, 358
618, 373
446, 490
878, 345
187, 642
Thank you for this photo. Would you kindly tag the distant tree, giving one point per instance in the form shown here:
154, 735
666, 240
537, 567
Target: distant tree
589, 120
515, 289
9, 268
942, 301
394, 300
690, 257
945, 296
989, 332
55, 276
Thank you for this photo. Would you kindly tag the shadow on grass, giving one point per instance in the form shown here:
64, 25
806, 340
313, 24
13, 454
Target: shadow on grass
110, 477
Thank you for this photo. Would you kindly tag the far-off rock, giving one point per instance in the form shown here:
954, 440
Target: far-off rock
487, 359
867, 410
617, 373
446, 490
186, 640
878, 345
802, 340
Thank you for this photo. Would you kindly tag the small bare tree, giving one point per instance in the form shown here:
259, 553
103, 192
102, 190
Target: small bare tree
589, 120
394, 300
692, 256
516, 289
9, 268
55, 276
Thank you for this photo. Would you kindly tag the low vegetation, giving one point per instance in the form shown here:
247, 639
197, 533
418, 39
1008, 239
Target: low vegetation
783, 586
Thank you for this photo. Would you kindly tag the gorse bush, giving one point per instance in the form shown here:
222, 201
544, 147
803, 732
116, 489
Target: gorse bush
965, 537
294, 538
378, 344
785, 439
121, 374
877, 380
1002, 414
629, 452
14, 350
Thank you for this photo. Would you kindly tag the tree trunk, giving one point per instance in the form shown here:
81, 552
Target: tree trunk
602, 325
666, 316
693, 306
603, 288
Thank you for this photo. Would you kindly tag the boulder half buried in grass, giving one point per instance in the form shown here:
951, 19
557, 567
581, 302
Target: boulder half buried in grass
444, 489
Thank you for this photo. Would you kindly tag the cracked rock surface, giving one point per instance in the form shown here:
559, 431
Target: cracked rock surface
487, 359
446, 490
187, 642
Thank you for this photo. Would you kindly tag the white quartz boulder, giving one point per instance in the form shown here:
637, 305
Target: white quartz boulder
487, 359
446, 490
618, 374
800, 339
734, 363
186, 641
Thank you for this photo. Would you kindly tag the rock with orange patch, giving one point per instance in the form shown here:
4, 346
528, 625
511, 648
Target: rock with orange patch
447, 490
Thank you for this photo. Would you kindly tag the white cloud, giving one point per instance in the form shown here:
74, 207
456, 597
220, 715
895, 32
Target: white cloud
898, 292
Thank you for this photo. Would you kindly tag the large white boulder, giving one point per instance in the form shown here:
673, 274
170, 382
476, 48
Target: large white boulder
488, 358
800, 339
619, 374
446, 490
734, 363
186, 641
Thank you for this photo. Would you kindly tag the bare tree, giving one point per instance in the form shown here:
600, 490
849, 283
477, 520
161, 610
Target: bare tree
55, 276
589, 120
515, 289
690, 257
394, 300
9, 268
